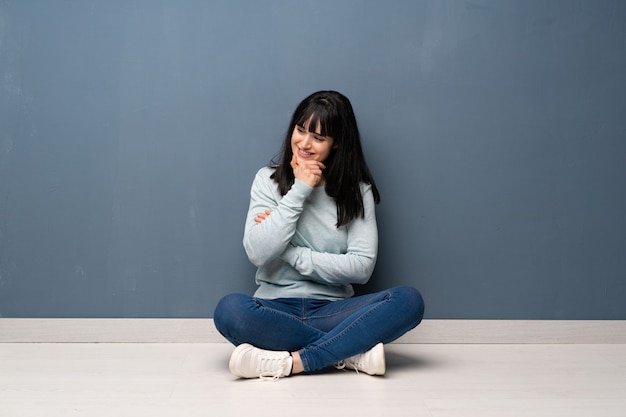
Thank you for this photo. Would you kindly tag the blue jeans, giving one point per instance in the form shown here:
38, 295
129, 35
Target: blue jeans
323, 332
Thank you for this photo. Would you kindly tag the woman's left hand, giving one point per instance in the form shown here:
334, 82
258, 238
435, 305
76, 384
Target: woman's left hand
262, 216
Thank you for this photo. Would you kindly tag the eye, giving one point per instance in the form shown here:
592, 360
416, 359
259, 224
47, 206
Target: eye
300, 129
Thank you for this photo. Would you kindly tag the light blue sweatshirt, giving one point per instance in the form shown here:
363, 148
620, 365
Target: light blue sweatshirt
298, 249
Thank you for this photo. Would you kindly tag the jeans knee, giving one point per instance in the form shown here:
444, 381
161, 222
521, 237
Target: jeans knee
228, 309
412, 302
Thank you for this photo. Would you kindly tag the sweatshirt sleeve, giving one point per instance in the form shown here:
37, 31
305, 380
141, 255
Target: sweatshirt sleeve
353, 267
265, 241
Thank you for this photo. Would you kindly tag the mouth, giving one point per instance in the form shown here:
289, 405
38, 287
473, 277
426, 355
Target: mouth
305, 154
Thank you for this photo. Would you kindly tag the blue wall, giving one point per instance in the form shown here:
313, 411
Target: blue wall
130, 132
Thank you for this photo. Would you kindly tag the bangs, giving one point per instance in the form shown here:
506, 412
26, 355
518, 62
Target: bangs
322, 114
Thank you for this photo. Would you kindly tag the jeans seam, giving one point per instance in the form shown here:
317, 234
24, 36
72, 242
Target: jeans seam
354, 323
284, 314
350, 309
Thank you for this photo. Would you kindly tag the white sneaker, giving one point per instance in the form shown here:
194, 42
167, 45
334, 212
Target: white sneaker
248, 361
371, 362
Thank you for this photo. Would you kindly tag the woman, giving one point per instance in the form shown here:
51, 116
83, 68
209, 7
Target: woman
311, 231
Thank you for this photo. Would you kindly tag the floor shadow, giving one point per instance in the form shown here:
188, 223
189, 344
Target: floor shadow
404, 360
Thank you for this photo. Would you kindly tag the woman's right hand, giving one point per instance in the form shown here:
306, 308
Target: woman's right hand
307, 171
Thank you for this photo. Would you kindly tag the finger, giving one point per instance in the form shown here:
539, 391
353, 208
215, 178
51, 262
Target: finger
262, 216
313, 164
315, 170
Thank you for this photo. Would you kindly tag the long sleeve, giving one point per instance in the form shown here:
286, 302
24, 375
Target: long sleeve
265, 241
298, 250
355, 266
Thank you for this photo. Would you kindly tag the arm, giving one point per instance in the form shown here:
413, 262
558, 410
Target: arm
266, 240
353, 267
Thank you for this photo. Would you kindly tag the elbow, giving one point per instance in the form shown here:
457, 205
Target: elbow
367, 269
253, 256
362, 280
257, 259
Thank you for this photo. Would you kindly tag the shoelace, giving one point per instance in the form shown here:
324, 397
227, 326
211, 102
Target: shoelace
271, 369
343, 364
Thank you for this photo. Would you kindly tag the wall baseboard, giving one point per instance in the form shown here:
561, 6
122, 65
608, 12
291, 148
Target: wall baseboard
22, 330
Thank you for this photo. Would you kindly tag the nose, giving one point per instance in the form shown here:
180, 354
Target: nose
306, 141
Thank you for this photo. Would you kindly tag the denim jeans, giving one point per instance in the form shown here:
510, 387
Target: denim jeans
323, 332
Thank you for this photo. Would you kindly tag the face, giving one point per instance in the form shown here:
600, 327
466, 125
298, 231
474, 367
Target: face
311, 145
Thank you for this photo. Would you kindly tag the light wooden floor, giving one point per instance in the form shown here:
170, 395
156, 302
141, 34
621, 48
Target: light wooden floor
118, 380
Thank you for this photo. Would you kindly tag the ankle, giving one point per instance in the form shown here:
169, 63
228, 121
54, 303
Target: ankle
296, 366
